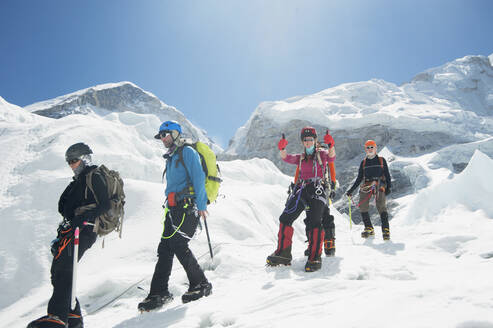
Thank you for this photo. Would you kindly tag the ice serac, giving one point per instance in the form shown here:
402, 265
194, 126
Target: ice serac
117, 97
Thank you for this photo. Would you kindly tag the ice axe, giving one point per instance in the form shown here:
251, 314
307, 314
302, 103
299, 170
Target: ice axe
208, 238
73, 301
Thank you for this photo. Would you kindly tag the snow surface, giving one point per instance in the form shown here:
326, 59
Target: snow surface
436, 271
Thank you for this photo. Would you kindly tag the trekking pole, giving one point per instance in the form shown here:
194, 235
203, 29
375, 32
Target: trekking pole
74, 271
208, 238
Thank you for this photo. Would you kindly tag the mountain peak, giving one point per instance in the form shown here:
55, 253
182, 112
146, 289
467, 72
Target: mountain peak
121, 96
117, 97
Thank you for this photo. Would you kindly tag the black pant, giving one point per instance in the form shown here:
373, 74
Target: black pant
299, 201
179, 227
327, 223
61, 276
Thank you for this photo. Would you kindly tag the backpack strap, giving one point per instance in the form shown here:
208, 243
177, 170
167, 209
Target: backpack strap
380, 159
180, 160
187, 189
320, 162
89, 184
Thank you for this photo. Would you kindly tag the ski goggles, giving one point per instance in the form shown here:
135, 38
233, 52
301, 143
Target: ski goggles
369, 147
309, 139
72, 161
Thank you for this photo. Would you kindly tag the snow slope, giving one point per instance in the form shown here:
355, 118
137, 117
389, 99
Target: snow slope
435, 272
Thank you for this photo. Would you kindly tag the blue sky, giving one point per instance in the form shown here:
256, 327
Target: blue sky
217, 60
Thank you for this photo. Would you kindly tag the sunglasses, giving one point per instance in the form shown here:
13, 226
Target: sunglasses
370, 147
164, 133
73, 161
308, 139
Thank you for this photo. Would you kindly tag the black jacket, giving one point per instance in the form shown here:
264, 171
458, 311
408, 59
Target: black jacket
74, 196
372, 172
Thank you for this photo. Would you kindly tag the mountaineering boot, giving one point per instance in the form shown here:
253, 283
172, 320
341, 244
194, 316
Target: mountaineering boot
283, 257
386, 233
330, 247
330, 242
197, 291
74, 318
153, 302
48, 321
384, 216
313, 265
368, 232
75, 321
316, 238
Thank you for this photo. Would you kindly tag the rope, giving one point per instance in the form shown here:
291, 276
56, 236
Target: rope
369, 196
292, 209
173, 270
179, 226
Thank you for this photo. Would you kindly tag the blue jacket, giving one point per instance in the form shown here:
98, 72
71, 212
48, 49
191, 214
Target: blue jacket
177, 178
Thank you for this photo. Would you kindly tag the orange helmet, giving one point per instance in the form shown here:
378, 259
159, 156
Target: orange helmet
370, 143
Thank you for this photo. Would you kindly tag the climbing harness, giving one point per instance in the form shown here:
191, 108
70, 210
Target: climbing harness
187, 208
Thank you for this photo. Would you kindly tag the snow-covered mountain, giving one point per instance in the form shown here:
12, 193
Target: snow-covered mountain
435, 272
454, 101
117, 97
446, 111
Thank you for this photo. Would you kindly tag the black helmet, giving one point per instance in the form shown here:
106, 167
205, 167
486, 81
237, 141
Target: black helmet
76, 151
308, 131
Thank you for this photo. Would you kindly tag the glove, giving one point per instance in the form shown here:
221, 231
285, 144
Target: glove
328, 139
282, 143
54, 246
387, 191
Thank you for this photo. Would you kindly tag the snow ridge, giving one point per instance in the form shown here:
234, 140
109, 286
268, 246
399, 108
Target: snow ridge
107, 98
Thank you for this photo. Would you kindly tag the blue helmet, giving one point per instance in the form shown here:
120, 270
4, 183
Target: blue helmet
167, 127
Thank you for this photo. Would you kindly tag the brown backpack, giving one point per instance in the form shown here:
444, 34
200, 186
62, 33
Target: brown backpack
113, 218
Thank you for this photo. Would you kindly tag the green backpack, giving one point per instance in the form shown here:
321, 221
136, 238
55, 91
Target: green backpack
209, 166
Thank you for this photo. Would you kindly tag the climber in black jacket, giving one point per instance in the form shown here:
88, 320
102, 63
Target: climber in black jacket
374, 177
73, 206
